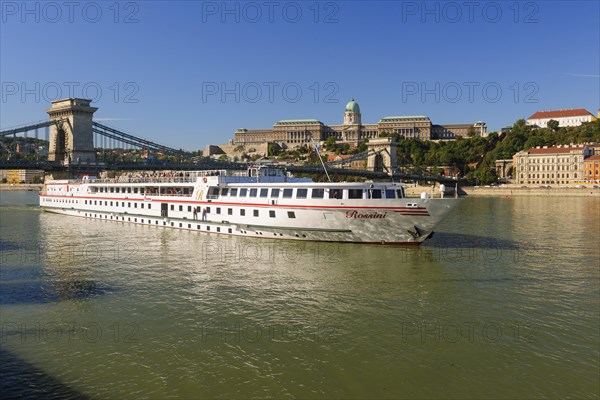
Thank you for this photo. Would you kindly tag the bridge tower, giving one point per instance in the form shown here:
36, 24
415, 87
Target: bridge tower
73, 138
382, 155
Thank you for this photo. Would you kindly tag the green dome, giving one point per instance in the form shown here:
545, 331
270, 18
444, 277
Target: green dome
352, 106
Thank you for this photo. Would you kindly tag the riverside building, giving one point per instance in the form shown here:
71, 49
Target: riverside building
551, 165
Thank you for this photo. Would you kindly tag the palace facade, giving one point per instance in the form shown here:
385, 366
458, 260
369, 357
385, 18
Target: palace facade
296, 133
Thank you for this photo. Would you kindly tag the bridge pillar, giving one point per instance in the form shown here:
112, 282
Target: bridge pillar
73, 138
383, 157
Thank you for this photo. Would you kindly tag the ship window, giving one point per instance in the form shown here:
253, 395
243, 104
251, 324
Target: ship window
208, 228
129, 204
230, 211
128, 190
355, 193
197, 226
229, 230
149, 206
189, 208
218, 229
142, 205
375, 193
242, 212
112, 189
253, 192
243, 192
135, 190
271, 213
317, 193
233, 192
301, 193
256, 213
275, 193
291, 214
400, 193
122, 204
189, 225
117, 190
218, 210
208, 210
111, 203
224, 191
172, 207
134, 205
390, 194
264, 192
85, 201
287, 193
335, 193
180, 224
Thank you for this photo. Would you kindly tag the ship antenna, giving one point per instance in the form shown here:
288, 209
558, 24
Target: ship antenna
321, 158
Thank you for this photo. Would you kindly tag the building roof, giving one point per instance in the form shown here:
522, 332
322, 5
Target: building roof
334, 157
404, 117
554, 149
297, 122
352, 106
577, 112
593, 158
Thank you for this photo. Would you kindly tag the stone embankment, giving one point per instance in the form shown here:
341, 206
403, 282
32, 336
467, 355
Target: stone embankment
511, 190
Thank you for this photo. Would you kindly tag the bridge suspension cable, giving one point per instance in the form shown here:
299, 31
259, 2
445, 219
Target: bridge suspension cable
130, 139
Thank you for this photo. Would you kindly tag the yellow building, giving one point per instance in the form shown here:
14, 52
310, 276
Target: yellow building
16, 176
591, 167
550, 165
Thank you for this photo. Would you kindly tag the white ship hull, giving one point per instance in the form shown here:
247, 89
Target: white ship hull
360, 220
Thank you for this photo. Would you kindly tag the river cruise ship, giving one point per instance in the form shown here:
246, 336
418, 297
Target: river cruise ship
260, 202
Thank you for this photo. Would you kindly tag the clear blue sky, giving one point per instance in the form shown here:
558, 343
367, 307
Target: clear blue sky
161, 67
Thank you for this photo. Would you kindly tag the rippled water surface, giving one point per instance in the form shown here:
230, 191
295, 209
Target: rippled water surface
503, 302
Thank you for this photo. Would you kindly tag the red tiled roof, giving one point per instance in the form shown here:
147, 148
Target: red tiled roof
553, 150
593, 158
333, 157
561, 113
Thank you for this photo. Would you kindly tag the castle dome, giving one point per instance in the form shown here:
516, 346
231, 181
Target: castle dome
352, 106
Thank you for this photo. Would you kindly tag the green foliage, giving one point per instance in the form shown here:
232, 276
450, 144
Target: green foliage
485, 151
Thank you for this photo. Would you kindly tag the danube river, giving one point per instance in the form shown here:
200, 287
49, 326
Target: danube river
503, 302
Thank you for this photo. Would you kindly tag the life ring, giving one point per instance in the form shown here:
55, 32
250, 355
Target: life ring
204, 180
